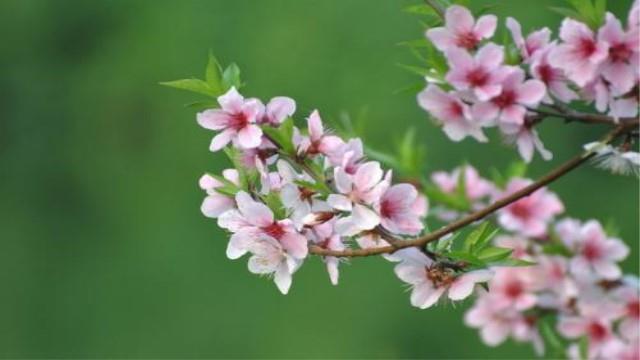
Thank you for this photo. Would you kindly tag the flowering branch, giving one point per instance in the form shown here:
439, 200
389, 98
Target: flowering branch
294, 192
482, 213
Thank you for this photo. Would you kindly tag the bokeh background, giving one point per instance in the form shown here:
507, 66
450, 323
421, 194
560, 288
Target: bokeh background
103, 250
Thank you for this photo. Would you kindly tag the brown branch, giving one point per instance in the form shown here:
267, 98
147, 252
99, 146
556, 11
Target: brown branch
482, 213
588, 118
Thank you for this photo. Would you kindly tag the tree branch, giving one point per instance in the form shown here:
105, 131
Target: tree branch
558, 172
588, 118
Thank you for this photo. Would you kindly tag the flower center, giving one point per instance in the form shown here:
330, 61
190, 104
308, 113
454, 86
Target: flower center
520, 209
591, 251
238, 121
633, 309
455, 109
546, 73
387, 209
467, 40
505, 99
478, 77
619, 52
274, 230
440, 276
513, 289
305, 193
597, 331
587, 47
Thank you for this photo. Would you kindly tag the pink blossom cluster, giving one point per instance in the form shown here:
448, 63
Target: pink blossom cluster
324, 193
482, 89
575, 284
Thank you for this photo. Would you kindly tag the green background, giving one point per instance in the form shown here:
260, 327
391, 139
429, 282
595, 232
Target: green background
103, 250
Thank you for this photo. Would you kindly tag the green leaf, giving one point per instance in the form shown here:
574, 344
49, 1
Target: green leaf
516, 169
583, 345
466, 257
415, 69
231, 77
513, 262
245, 178
193, 85
202, 105
551, 338
600, 9
314, 186
419, 9
568, 13
282, 135
213, 74
387, 159
493, 254
479, 238
273, 201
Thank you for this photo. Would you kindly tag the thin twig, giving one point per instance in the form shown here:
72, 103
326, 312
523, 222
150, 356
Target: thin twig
588, 118
480, 214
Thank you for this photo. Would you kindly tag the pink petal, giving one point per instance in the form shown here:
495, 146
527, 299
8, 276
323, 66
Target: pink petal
490, 56
314, 124
441, 38
365, 218
233, 221
221, 140
216, 204
256, 213
231, 101
368, 175
459, 19
213, 119
486, 26
282, 278
531, 92
339, 202
459, 60
411, 273
513, 114
572, 327
250, 136
485, 112
295, 244
343, 180
494, 333
607, 270
516, 31
279, 108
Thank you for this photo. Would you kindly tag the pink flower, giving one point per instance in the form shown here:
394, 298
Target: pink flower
323, 235
278, 110
348, 156
595, 253
236, 119
268, 257
620, 68
397, 209
527, 140
430, 281
629, 295
594, 321
483, 74
552, 77
460, 29
253, 222
216, 203
509, 105
452, 113
530, 215
318, 142
533, 43
497, 324
512, 288
580, 54
355, 192
475, 187
300, 200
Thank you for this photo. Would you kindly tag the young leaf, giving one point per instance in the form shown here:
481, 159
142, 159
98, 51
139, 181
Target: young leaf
231, 77
193, 85
513, 262
467, 257
213, 74
494, 254
551, 338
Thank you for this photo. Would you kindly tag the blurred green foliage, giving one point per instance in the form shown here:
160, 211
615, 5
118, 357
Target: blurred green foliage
103, 250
